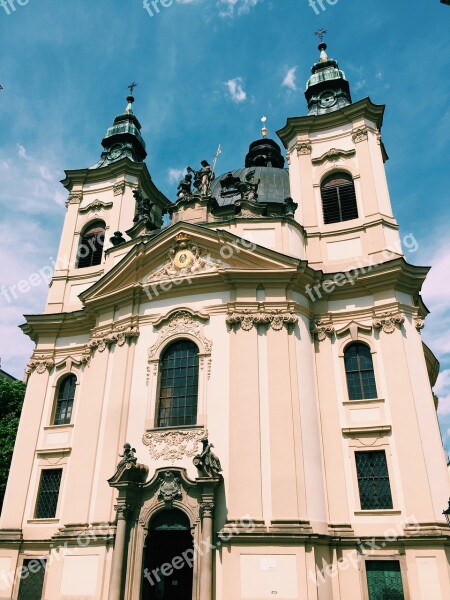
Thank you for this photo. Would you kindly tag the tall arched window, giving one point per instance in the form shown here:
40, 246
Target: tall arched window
359, 370
90, 250
338, 198
64, 401
178, 387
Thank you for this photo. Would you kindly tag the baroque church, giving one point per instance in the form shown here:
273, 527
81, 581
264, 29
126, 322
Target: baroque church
229, 396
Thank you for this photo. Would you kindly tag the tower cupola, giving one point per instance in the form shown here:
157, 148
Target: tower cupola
327, 90
123, 138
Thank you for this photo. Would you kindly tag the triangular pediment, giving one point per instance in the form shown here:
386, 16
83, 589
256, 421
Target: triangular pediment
185, 251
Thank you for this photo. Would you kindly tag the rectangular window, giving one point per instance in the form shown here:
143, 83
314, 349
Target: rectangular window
384, 580
47, 499
32, 579
373, 480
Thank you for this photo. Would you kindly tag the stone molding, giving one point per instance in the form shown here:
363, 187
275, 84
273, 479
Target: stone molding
387, 321
119, 188
333, 155
303, 148
179, 322
173, 444
419, 323
275, 319
96, 206
39, 363
74, 198
118, 334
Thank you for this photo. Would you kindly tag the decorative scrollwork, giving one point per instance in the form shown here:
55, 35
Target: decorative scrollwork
360, 134
181, 322
170, 488
174, 444
387, 321
322, 330
247, 318
39, 363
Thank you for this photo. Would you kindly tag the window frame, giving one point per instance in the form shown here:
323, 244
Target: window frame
373, 557
389, 476
100, 223
57, 389
328, 176
38, 492
345, 349
30, 556
162, 354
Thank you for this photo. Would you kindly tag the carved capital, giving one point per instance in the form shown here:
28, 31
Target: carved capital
387, 321
303, 148
207, 510
74, 198
419, 323
118, 334
322, 330
360, 134
39, 363
123, 511
246, 318
119, 188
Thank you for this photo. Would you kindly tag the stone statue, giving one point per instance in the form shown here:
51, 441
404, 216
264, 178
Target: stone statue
128, 456
185, 187
248, 188
203, 178
143, 209
207, 462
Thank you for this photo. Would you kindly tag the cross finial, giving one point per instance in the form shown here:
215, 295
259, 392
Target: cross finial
132, 86
320, 33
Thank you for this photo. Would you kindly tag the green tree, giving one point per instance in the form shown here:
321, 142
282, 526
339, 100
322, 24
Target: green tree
11, 400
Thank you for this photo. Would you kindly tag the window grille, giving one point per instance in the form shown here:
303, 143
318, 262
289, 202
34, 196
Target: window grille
384, 580
338, 199
32, 579
373, 480
64, 403
359, 370
47, 500
178, 389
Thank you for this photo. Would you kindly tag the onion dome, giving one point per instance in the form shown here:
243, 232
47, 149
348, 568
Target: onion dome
327, 90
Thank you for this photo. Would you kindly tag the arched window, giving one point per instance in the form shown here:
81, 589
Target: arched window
64, 401
338, 198
359, 370
90, 250
178, 387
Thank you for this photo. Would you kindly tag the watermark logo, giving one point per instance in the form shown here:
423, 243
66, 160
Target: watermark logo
9, 6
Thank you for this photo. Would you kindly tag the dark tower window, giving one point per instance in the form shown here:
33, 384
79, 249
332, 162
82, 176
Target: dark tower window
64, 402
338, 198
359, 370
90, 250
178, 389
373, 480
47, 500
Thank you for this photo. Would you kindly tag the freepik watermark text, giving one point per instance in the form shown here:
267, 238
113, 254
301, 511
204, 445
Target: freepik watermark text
9, 6
153, 6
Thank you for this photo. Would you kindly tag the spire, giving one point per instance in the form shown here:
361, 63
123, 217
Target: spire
124, 138
327, 90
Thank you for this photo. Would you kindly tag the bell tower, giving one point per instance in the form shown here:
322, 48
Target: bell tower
336, 167
113, 198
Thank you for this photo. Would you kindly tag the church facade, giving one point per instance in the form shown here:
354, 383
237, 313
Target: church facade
233, 401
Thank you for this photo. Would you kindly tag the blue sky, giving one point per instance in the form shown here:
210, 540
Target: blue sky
207, 71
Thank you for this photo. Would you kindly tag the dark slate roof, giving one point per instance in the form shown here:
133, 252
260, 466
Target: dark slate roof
273, 185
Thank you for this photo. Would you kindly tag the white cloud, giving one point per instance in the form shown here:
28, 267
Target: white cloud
22, 152
289, 80
236, 90
175, 175
229, 8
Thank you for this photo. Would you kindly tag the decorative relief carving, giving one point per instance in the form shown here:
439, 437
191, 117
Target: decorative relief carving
207, 510
387, 321
185, 258
181, 321
170, 488
39, 363
303, 148
360, 134
96, 206
322, 330
119, 188
174, 444
275, 319
419, 323
119, 334
333, 155
74, 198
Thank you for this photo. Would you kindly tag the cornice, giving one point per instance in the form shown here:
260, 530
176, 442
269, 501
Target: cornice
347, 115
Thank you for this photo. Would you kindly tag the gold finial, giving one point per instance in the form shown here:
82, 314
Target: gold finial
264, 129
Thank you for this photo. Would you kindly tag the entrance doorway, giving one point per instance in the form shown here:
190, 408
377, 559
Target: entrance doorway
168, 558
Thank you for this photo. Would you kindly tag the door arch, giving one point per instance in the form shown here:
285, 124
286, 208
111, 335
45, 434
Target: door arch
168, 557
